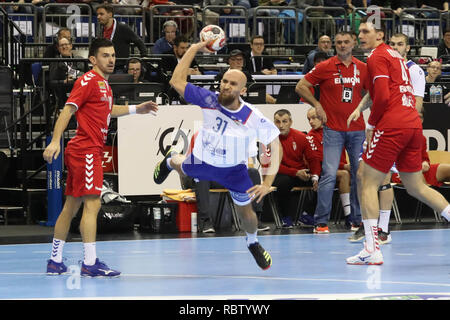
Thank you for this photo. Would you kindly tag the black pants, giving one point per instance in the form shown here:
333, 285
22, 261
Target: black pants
202, 195
287, 200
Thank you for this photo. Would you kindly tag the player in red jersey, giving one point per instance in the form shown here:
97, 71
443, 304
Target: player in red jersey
395, 135
91, 101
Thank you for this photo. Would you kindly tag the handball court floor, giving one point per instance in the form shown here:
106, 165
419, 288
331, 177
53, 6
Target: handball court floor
219, 266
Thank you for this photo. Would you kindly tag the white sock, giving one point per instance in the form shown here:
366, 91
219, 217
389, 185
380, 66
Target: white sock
383, 221
345, 200
251, 238
446, 213
57, 250
371, 231
90, 254
168, 163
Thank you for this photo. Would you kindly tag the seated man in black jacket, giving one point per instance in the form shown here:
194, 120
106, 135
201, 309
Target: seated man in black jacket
168, 64
63, 74
120, 34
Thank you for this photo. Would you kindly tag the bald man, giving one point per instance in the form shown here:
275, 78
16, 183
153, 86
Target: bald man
227, 139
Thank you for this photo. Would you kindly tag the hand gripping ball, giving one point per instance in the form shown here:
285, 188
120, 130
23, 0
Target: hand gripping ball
215, 37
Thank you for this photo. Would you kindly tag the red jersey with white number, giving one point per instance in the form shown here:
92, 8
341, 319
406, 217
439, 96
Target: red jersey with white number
385, 62
333, 76
92, 96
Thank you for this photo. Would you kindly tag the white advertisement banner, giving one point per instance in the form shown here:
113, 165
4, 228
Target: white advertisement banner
143, 139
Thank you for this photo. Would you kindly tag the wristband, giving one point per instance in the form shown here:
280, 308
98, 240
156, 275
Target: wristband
370, 127
315, 177
132, 109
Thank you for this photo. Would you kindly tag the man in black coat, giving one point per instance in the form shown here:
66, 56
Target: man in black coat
120, 34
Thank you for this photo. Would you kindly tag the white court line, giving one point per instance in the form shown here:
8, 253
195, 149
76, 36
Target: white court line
240, 277
405, 254
6, 252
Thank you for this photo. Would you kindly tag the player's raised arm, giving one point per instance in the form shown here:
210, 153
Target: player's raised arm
180, 74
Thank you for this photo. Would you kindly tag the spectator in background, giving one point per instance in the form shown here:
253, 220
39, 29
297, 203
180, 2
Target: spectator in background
442, 6
398, 7
236, 60
324, 44
434, 70
352, 4
165, 43
293, 171
130, 11
180, 46
135, 68
168, 64
62, 75
444, 45
52, 50
212, 15
256, 62
357, 51
120, 34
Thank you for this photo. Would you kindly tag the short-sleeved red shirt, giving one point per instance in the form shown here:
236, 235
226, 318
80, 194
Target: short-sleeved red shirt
330, 74
92, 96
385, 62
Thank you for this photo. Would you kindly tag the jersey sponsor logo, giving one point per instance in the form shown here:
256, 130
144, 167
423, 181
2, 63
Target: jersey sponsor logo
352, 80
394, 53
101, 85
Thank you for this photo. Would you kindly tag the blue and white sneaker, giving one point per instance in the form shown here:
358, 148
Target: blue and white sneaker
99, 269
55, 268
306, 221
287, 223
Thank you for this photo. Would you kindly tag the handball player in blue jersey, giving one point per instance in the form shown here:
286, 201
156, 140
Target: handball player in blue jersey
225, 142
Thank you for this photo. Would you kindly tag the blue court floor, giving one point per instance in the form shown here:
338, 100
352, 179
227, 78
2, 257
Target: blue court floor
305, 266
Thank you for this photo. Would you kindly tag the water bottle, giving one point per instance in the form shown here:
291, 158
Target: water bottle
194, 222
438, 94
433, 94
157, 219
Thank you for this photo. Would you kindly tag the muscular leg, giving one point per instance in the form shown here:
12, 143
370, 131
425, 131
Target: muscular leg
386, 200
88, 224
416, 187
443, 172
248, 218
69, 211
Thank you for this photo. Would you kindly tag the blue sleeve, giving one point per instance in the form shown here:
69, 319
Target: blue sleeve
201, 97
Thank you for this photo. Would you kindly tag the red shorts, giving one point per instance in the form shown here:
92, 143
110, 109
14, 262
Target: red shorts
400, 146
84, 174
430, 176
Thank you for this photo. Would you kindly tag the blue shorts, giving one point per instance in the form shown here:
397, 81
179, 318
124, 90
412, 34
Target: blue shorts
235, 179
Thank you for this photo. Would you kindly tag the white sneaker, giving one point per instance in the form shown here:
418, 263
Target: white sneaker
365, 257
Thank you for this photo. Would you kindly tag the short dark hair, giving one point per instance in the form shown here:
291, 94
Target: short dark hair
282, 112
134, 60
446, 31
320, 56
179, 39
108, 7
98, 43
256, 37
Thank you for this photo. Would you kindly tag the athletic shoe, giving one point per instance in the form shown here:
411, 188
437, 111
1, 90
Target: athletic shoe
306, 221
354, 227
262, 227
287, 223
55, 268
358, 235
366, 258
99, 269
384, 237
321, 228
262, 257
208, 227
161, 171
